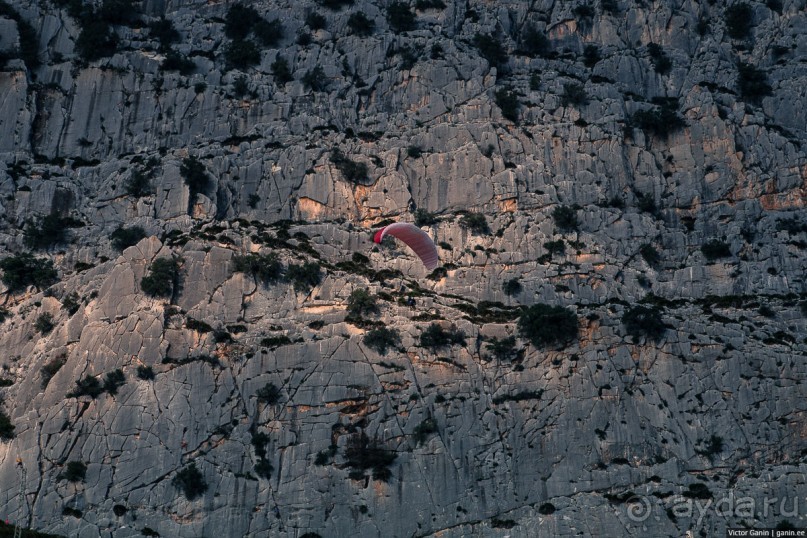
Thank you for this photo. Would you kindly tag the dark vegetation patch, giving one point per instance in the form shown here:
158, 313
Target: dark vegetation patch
162, 278
382, 339
545, 325
435, 337
362, 455
123, 238
644, 321
190, 481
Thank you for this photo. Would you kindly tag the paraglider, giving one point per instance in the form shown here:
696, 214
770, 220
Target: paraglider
415, 238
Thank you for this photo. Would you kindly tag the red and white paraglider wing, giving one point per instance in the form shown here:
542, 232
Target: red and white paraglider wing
415, 238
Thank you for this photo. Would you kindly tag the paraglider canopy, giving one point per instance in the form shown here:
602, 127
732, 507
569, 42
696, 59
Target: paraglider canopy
415, 238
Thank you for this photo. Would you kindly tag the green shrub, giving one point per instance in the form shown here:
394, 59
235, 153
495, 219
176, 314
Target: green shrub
315, 21
497, 523
661, 120
191, 481
546, 509
193, 172
44, 323
409, 56
649, 253
138, 184
424, 218
263, 469
24, 270
281, 71
534, 42
792, 225
715, 249
113, 381
584, 13
646, 203
400, 17
198, 325
360, 303
145, 372
268, 33
118, 11
75, 471
240, 21
334, 5
785, 525
555, 247
163, 31
175, 61
305, 276
753, 83
123, 238
424, 430
351, 170
698, 491
96, 40
315, 79
48, 231
72, 512
163, 278
767, 311
240, 86
512, 287
360, 24
574, 94
242, 55
89, 386
259, 442
565, 218
476, 223
148, 531
382, 339
6, 427
661, 62
273, 342
414, 151
504, 349
268, 394
591, 55
266, 268
507, 101
644, 321
423, 5
491, 49
436, 337
609, 6
711, 446
50, 369
362, 455
545, 325
739, 20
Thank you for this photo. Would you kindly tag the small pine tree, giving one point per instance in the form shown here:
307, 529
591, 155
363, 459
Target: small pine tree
191, 481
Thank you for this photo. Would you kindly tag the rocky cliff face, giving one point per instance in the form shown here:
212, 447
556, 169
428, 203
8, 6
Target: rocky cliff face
623, 154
